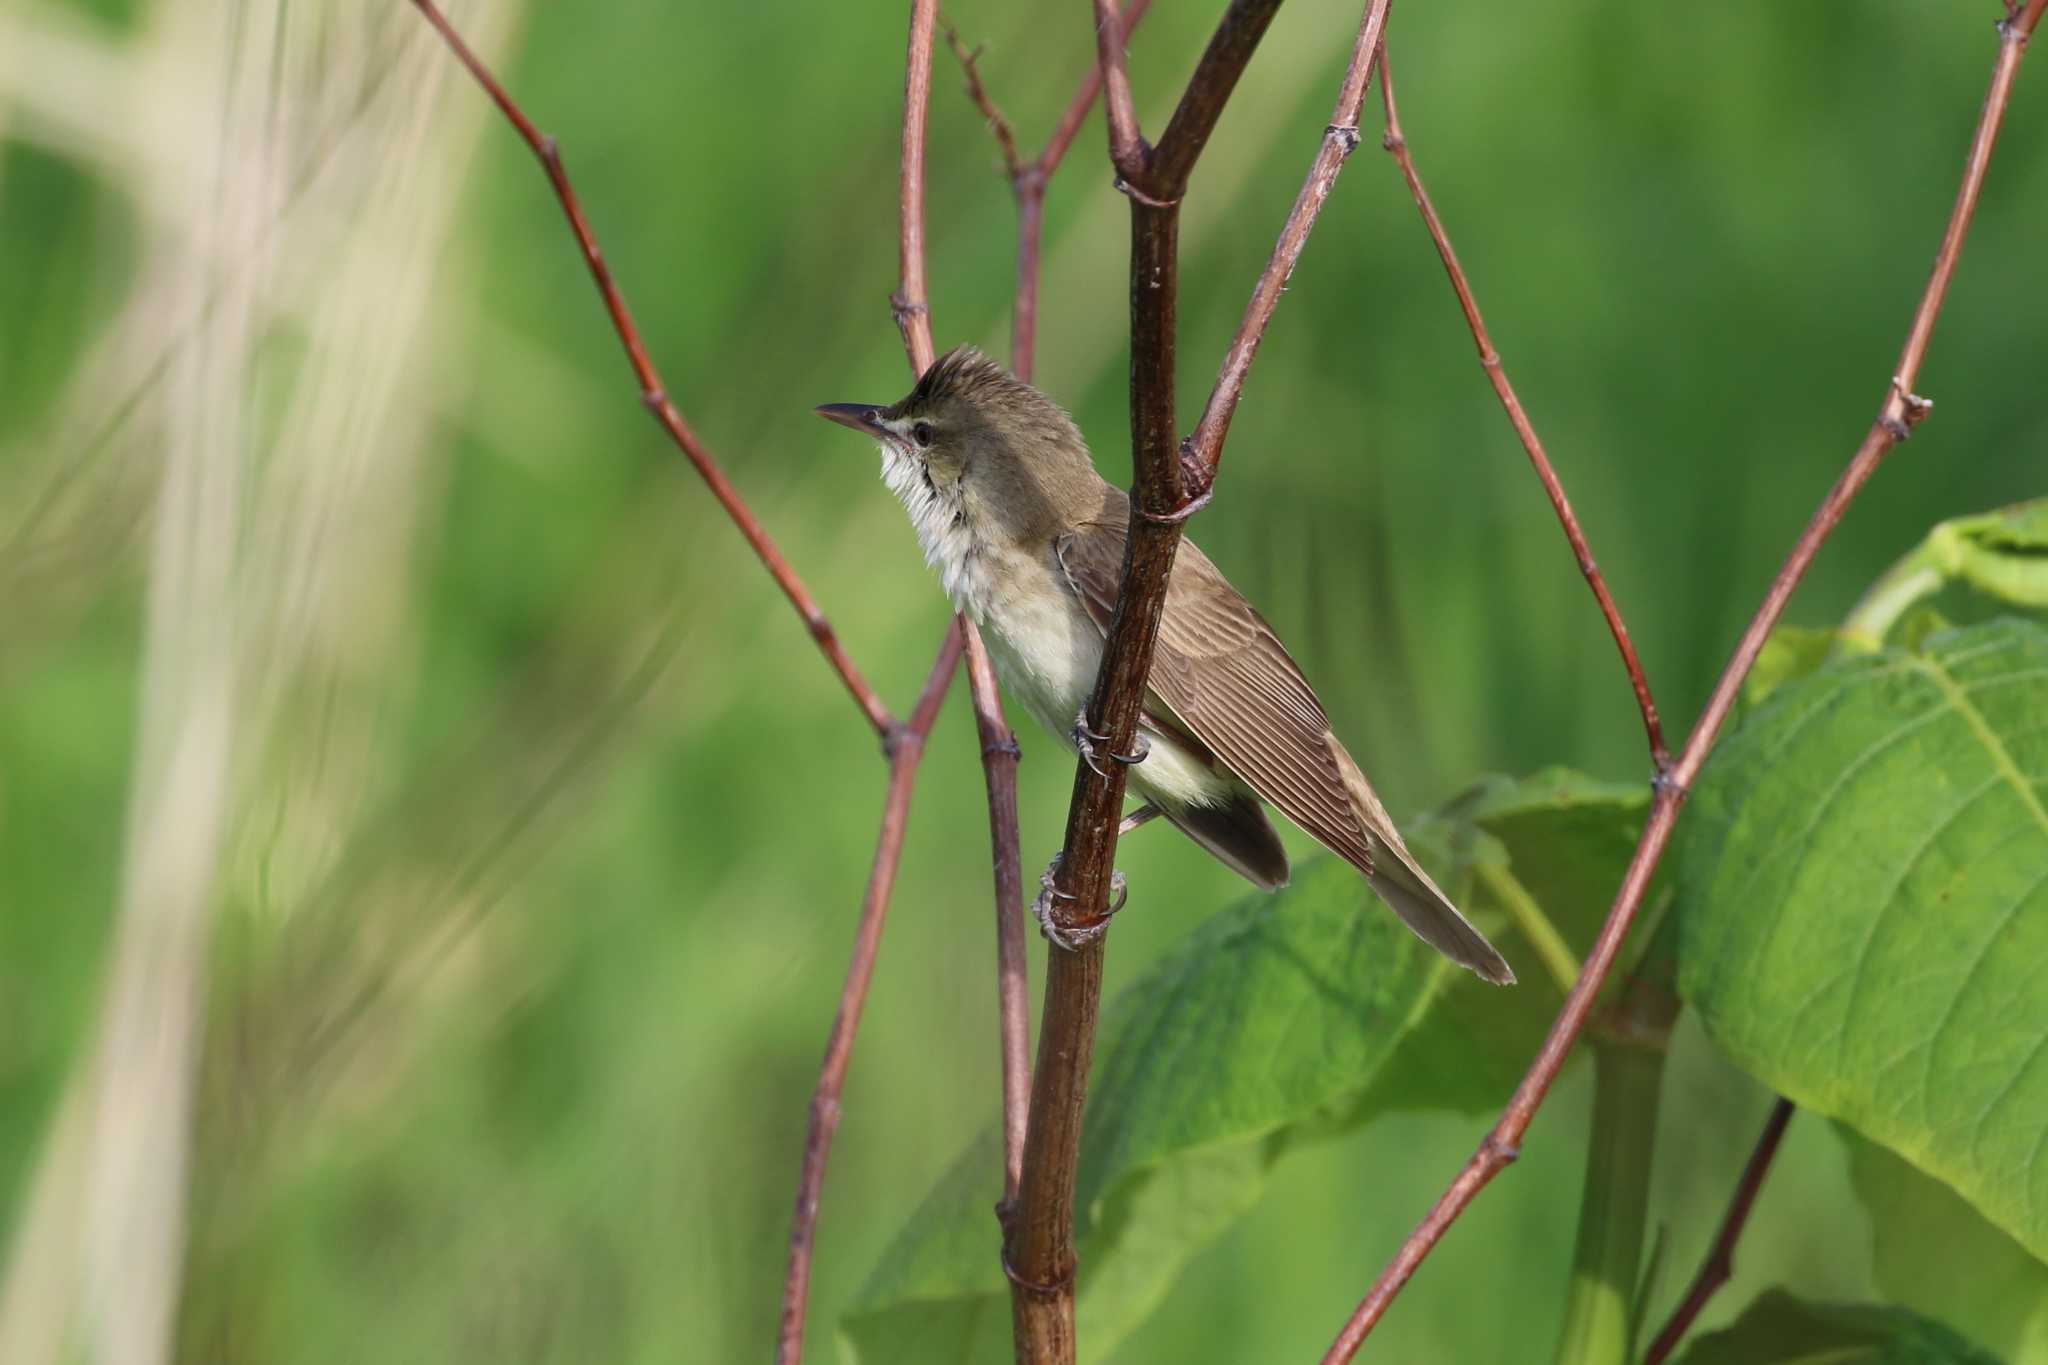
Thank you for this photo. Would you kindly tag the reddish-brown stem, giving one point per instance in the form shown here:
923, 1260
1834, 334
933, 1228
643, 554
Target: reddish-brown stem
1013, 1005
1028, 180
1127, 150
911, 302
1496, 374
652, 392
1896, 417
1719, 1265
1204, 450
1039, 1250
1069, 126
906, 747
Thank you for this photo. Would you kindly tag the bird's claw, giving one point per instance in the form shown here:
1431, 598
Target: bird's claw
1073, 937
1086, 739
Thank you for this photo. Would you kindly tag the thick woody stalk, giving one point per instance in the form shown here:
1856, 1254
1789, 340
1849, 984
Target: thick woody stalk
1899, 412
1040, 1249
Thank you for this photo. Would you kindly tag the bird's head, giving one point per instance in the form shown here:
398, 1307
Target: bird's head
982, 450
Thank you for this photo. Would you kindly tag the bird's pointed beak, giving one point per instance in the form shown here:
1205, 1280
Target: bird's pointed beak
862, 417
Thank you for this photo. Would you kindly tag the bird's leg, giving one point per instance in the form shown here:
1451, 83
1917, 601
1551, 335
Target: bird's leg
1143, 815
1080, 936
1086, 739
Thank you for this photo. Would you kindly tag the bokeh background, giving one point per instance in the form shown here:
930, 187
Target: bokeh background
390, 719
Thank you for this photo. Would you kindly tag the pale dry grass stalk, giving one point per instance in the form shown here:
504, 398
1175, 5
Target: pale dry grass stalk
277, 567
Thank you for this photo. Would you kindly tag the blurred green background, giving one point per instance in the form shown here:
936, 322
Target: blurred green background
547, 827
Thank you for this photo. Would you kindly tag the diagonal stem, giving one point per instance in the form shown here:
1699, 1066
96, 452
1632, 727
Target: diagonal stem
1489, 360
1899, 412
1719, 1265
653, 394
906, 747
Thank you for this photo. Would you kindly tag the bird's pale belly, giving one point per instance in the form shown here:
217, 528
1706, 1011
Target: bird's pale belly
1046, 651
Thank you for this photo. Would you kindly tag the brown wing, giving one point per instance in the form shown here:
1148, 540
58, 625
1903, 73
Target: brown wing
1223, 674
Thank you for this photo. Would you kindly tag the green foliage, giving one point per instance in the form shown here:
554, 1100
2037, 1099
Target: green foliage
1931, 1252
1270, 1014
1779, 1329
1865, 912
1274, 1023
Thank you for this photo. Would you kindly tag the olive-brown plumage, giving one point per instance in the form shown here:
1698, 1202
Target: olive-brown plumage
1029, 539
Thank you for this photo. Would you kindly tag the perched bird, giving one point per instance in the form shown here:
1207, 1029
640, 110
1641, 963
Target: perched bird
1029, 540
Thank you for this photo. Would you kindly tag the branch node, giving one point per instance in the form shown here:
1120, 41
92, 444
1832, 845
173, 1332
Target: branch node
1178, 515
1662, 783
1913, 409
1006, 745
655, 398
1038, 1289
549, 150
1346, 133
1497, 1152
904, 309
899, 738
1125, 187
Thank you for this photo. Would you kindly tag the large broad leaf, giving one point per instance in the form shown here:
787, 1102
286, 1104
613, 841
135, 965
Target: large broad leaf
1270, 1013
1864, 893
1934, 1254
1283, 1019
1779, 1329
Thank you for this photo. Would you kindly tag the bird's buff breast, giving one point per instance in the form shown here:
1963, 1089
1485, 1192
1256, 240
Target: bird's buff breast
1047, 650
1045, 647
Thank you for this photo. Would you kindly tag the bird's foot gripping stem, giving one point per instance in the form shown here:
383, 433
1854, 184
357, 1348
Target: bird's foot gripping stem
1073, 937
1086, 739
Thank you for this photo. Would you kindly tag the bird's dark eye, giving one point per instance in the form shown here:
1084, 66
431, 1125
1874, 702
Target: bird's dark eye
922, 433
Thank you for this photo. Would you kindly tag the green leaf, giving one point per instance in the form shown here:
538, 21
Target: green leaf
1999, 558
1282, 1020
1267, 1015
1789, 654
1934, 1254
1864, 903
1779, 1329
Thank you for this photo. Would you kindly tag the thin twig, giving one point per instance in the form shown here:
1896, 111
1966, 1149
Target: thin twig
1013, 1004
1719, 1265
906, 747
998, 125
911, 301
1900, 411
1028, 180
904, 742
1127, 150
913, 320
1496, 374
1069, 126
653, 394
1202, 451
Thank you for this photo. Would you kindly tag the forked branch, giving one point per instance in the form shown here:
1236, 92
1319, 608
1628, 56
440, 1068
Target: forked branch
1899, 412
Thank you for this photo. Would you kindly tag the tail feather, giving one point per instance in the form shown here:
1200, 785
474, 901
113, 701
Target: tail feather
1407, 889
1429, 912
1240, 837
